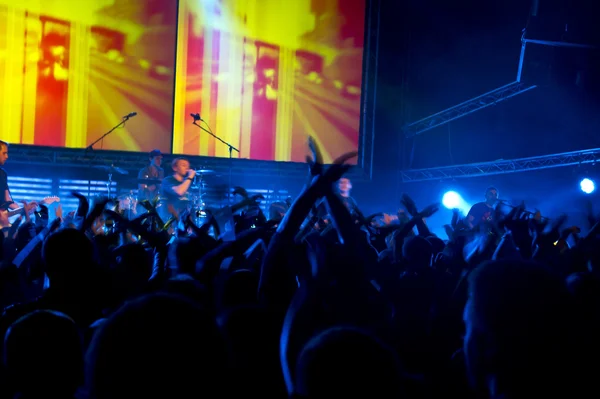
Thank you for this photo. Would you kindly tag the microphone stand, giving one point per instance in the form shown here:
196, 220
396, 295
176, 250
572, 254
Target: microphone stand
91, 146
231, 148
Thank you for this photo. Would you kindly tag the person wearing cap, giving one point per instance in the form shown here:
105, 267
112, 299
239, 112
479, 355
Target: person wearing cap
151, 172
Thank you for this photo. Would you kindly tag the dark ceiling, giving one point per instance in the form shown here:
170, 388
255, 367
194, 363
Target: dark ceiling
435, 54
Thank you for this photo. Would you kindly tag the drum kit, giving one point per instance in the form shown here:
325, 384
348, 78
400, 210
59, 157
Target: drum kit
128, 202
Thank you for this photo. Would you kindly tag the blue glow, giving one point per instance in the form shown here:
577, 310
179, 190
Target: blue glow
587, 186
27, 185
42, 193
29, 179
68, 181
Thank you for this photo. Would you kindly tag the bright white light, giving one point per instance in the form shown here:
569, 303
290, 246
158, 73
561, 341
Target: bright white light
587, 186
451, 200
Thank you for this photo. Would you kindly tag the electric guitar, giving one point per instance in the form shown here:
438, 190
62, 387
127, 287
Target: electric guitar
10, 215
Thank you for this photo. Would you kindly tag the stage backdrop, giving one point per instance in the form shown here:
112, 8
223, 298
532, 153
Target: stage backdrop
265, 74
71, 69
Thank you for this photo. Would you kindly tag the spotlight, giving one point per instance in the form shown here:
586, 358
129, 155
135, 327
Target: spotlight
451, 200
587, 186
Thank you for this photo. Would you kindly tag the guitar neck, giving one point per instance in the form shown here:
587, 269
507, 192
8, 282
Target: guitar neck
13, 212
17, 211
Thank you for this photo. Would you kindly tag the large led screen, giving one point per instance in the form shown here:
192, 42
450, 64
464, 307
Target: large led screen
71, 69
265, 74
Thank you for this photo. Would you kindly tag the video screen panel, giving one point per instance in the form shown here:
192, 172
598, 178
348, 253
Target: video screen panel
264, 75
70, 70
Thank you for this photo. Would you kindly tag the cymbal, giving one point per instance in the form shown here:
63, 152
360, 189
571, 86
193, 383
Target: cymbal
204, 171
111, 169
149, 182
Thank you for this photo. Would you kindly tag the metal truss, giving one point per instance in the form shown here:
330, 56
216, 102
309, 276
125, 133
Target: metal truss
468, 107
487, 99
524, 42
502, 166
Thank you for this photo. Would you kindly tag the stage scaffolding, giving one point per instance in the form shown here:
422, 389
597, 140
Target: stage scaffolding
502, 166
468, 107
481, 102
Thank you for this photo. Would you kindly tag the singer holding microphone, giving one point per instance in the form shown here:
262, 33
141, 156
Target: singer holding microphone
483, 212
175, 188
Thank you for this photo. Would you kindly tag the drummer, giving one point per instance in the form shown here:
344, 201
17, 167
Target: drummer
175, 188
151, 172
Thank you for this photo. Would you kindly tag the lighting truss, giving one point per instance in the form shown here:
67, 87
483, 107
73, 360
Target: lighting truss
487, 99
502, 166
468, 107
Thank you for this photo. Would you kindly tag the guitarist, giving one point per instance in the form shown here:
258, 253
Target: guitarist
6, 198
8, 207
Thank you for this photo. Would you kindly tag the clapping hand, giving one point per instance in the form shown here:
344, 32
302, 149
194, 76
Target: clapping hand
411, 207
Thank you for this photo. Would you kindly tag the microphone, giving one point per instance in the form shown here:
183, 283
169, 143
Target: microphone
196, 117
130, 115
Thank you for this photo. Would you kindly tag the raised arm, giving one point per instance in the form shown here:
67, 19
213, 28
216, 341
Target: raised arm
182, 188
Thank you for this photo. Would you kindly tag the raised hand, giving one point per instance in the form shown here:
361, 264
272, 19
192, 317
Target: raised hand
84, 205
455, 218
429, 210
547, 237
59, 211
121, 222
573, 230
55, 224
324, 182
518, 223
315, 160
449, 232
28, 210
409, 204
241, 192
516, 220
403, 216
94, 214
320, 185
591, 218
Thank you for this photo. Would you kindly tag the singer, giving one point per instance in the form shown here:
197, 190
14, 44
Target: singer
175, 188
483, 212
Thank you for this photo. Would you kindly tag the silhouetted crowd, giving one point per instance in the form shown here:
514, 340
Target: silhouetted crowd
313, 300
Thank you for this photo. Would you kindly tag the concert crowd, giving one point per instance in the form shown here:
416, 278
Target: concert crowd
312, 300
